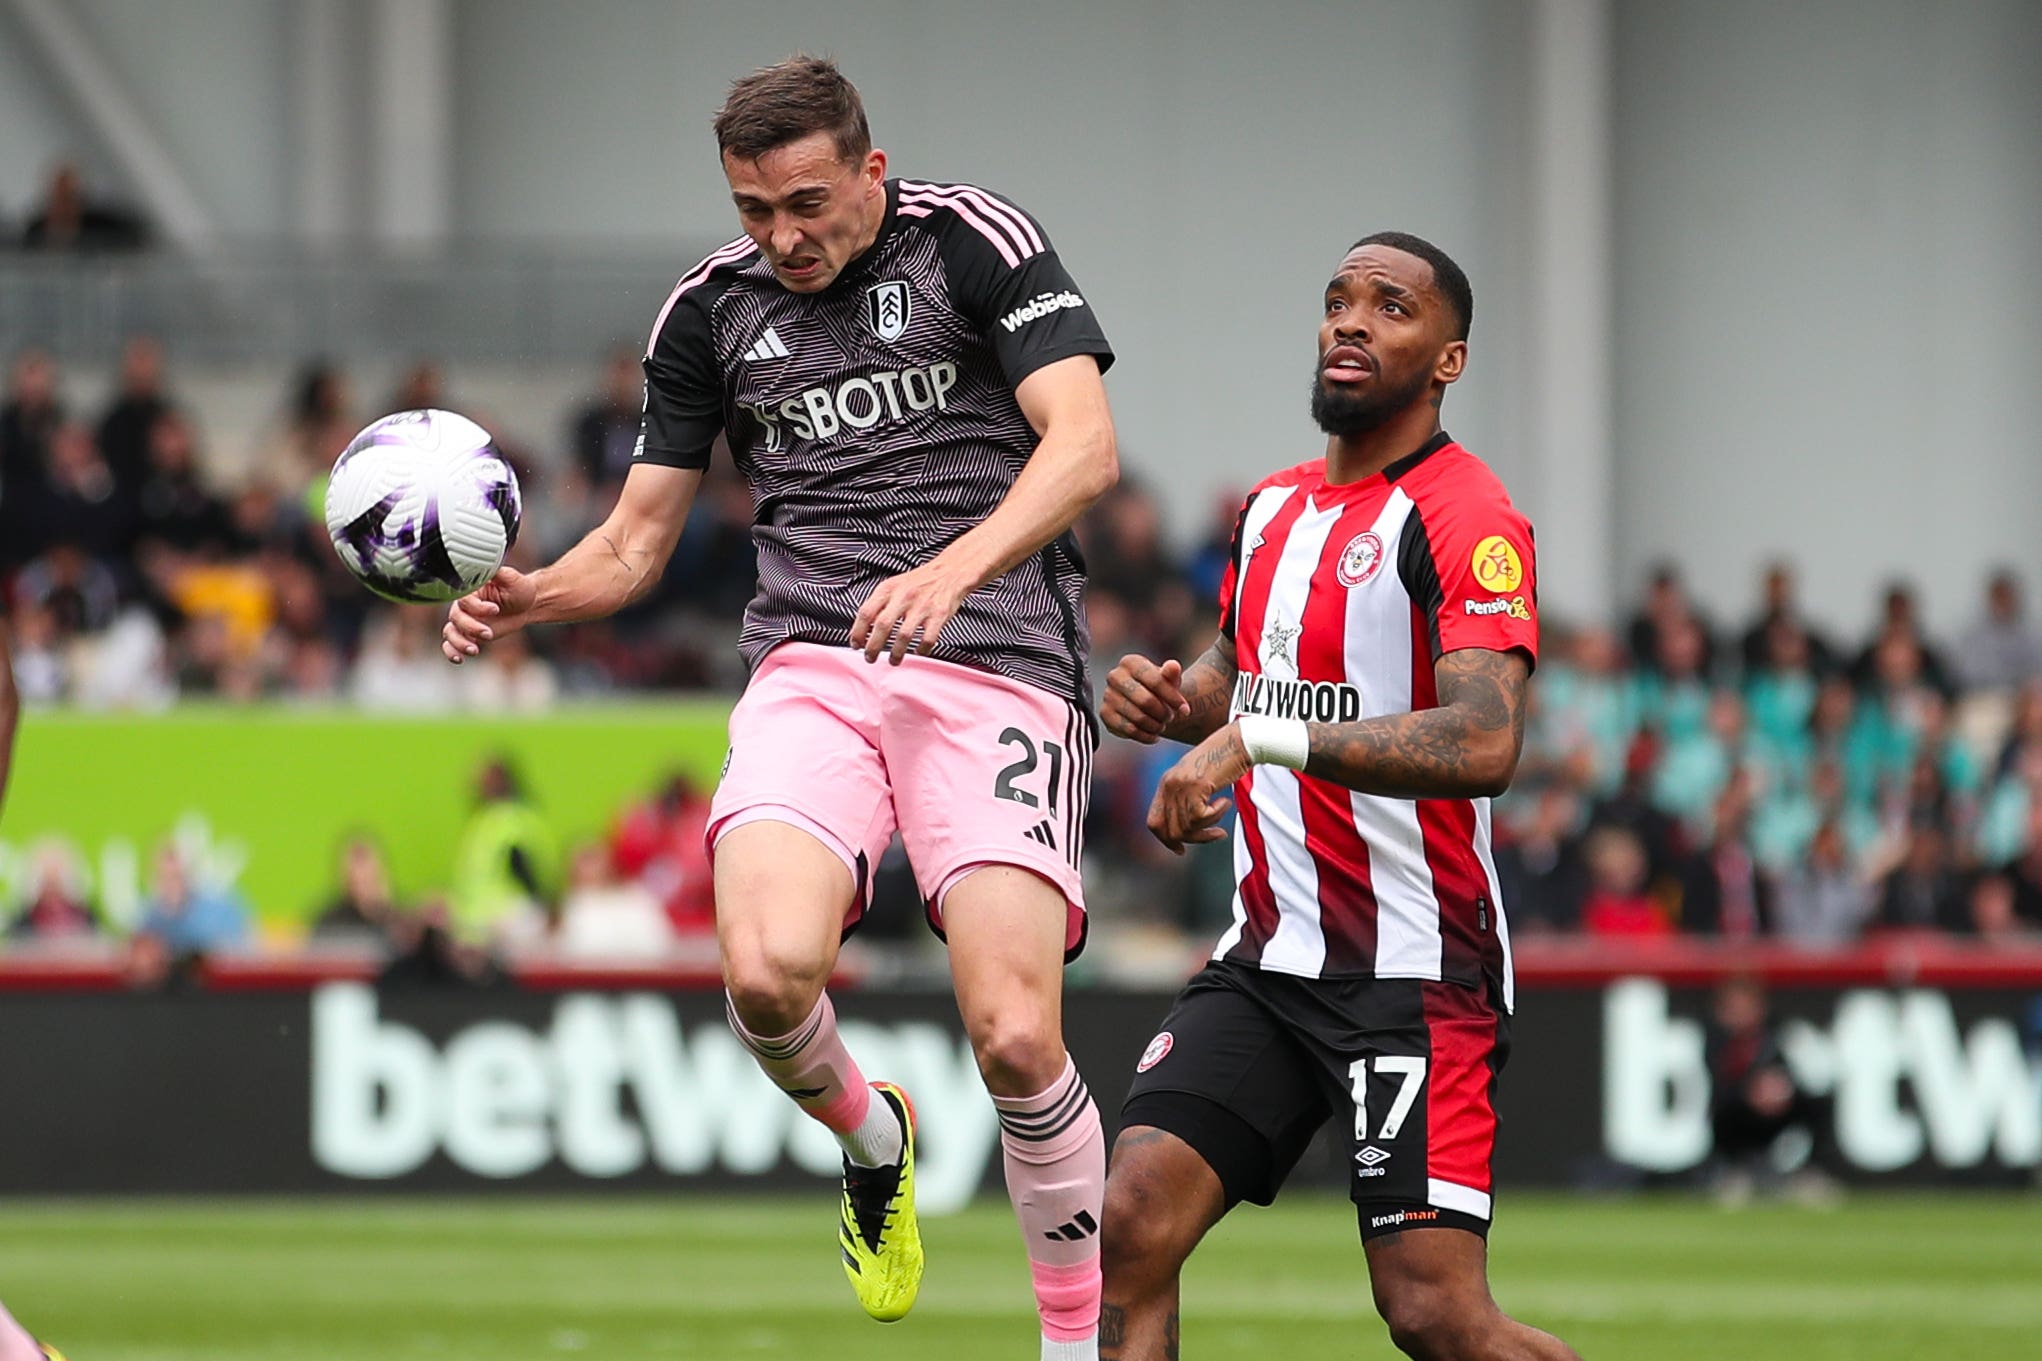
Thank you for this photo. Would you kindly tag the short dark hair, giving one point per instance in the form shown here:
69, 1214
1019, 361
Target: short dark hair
1446, 275
785, 102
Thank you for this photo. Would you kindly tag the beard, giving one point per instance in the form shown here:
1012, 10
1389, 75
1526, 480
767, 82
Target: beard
1345, 415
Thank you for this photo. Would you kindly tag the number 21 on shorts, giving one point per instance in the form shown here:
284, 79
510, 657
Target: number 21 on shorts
1005, 788
1411, 1068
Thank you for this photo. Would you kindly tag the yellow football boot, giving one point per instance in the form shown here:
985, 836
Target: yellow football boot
881, 1242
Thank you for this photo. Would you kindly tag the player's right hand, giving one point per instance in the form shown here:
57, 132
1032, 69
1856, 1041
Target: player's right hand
1143, 698
503, 605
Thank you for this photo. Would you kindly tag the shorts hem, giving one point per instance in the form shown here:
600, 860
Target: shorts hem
1238, 1155
1077, 922
775, 810
1067, 881
1381, 1219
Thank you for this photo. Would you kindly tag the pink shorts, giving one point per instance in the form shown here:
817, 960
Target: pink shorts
972, 769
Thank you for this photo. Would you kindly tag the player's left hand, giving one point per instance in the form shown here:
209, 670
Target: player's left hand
908, 611
1186, 811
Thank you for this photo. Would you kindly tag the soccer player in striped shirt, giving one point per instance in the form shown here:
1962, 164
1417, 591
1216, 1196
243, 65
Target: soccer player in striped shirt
1364, 700
910, 381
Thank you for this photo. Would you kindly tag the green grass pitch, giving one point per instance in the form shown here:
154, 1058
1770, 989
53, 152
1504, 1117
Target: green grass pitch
468, 1280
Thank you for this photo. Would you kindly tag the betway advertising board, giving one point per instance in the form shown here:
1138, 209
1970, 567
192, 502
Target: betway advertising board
344, 1088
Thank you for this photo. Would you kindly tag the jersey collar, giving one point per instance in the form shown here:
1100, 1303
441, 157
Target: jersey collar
862, 264
1417, 456
1383, 477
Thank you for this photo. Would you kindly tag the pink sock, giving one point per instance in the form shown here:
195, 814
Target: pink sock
811, 1065
16, 1345
1056, 1177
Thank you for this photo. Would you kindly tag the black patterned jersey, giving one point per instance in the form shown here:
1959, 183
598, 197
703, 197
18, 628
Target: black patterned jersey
875, 421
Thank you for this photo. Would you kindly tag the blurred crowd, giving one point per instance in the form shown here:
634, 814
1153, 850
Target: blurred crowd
1774, 781
1763, 779
134, 578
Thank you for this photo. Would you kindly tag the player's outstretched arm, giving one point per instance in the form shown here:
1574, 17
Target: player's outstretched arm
1147, 700
1076, 463
1465, 748
615, 564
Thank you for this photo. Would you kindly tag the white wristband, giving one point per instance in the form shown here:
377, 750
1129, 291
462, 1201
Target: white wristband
1276, 741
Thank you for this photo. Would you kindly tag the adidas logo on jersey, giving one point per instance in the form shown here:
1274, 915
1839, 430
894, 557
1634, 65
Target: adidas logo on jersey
767, 346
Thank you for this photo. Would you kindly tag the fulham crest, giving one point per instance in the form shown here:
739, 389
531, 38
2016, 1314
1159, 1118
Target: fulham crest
886, 307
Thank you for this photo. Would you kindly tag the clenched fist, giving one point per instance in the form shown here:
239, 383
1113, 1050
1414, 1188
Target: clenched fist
1143, 699
503, 605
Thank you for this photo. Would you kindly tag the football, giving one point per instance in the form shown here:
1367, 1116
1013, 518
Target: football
421, 507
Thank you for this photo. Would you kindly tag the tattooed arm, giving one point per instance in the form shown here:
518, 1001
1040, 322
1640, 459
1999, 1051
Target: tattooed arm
1465, 748
1145, 700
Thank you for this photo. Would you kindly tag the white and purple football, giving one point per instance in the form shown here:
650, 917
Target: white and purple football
422, 507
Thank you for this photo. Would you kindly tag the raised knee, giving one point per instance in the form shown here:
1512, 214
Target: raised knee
1143, 1236
770, 992
1132, 1241
1018, 1055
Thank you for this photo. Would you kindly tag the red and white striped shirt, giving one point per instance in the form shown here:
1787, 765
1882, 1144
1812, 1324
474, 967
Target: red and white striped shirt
1339, 600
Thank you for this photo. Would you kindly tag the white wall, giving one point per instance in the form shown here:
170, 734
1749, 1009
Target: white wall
36, 130
1829, 294
210, 76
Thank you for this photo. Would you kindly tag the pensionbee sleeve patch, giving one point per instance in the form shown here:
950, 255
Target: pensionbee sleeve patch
1496, 565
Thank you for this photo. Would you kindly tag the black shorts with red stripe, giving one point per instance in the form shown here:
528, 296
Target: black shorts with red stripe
1249, 1064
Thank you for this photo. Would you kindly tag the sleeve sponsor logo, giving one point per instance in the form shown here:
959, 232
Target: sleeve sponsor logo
1514, 607
1496, 565
1040, 306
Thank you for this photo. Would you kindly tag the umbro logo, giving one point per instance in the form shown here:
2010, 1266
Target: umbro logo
1075, 1230
1370, 1156
1042, 832
768, 346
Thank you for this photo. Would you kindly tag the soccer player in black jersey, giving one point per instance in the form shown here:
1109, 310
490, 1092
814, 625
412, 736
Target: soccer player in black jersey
910, 382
